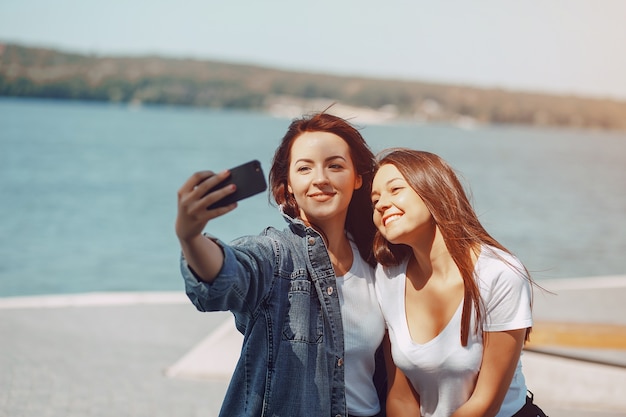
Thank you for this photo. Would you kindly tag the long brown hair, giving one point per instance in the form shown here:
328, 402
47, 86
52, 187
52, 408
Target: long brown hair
359, 219
435, 181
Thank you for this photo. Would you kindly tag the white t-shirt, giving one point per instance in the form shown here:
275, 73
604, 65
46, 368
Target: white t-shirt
441, 370
363, 329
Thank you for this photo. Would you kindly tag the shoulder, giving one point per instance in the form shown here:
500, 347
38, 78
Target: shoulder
501, 275
268, 237
389, 272
388, 276
495, 264
270, 244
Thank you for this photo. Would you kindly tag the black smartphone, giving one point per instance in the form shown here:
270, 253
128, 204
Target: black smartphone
248, 178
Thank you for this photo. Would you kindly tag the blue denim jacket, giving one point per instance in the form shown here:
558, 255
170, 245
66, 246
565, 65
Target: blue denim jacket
281, 288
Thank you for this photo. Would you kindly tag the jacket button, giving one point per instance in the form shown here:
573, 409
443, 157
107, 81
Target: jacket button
340, 362
329, 290
311, 241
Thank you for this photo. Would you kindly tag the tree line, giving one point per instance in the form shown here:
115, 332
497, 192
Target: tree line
46, 73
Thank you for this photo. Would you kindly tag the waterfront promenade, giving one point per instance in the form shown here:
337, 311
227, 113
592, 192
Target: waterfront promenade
154, 355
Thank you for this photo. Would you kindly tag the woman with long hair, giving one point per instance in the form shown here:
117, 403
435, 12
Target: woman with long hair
457, 303
303, 297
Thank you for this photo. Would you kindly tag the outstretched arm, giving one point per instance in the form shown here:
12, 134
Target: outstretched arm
402, 399
500, 357
203, 255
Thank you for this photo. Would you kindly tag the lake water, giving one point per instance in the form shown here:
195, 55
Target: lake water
88, 190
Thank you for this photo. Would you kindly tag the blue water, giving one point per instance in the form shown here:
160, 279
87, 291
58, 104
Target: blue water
88, 190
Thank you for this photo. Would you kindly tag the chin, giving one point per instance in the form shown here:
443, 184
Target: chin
392, 238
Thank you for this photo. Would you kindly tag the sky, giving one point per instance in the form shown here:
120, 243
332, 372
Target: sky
556, 46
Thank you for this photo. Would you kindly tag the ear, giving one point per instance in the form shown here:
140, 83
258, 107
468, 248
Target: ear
358, 182
289, 188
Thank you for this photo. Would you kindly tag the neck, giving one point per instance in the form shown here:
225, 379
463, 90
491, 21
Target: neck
432, 257
338, 246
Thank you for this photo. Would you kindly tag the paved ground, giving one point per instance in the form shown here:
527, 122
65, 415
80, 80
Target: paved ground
103, 360
154, 355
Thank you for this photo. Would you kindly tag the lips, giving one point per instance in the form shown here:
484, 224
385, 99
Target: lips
391, 218
321, 196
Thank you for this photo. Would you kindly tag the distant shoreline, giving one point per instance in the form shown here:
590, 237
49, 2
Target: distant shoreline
143, 80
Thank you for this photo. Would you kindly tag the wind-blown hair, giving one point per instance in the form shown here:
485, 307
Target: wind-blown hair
359, 221
435, 181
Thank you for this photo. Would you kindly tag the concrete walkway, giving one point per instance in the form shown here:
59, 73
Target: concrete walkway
153, 354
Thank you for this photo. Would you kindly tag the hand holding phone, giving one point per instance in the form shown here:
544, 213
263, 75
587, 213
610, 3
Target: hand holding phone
249, 180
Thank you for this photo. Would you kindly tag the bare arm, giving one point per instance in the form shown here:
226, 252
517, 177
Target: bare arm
500, 357
402, 399
203, 255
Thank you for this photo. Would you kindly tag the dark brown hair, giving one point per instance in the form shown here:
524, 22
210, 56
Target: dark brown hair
359, 221
434, 180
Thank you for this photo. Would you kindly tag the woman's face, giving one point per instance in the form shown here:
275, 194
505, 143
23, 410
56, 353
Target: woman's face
399, 212
322, 176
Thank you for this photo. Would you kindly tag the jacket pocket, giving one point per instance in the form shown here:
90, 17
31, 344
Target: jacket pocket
303, 322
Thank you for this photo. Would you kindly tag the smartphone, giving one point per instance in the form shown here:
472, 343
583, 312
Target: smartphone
248, 178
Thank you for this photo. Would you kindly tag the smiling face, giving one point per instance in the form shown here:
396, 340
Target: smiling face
322, 177
399, 212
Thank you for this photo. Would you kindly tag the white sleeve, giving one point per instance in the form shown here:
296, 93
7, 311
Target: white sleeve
506, 292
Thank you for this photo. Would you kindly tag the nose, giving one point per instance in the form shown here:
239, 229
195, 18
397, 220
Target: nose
320, 178
382, 204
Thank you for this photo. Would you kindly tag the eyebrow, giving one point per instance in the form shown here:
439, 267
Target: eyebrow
395, 179
330, 158
387, 184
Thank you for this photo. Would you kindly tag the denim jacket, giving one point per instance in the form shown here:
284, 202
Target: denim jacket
281, 288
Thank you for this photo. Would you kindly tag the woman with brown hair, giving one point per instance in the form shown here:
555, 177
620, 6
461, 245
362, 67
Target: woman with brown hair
304, 296
456, 302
